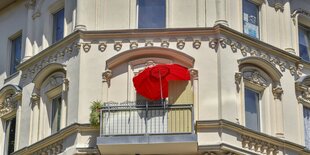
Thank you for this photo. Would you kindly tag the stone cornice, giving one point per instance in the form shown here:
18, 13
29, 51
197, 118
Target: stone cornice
59, 136
201, 126
238, 41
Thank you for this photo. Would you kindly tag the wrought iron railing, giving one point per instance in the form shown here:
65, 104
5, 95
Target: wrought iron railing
145, 118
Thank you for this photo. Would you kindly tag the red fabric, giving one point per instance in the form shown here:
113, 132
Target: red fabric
147, 83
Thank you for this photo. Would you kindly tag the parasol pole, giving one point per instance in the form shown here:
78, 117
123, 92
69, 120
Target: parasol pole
161, 100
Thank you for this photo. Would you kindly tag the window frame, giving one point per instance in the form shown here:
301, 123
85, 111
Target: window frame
54, 25
7, 134
58, 125
307, 29
258, 107
258, 5
156, 27
12, 55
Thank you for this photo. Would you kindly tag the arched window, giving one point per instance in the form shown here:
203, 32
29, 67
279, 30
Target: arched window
49, 102
260, 90
9, 106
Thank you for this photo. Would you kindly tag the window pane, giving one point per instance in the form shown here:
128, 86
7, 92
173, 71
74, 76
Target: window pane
252, 110
152, 13
307, 126
56, 114
304, 39
15, 53
10, 136
250, 19
58, 29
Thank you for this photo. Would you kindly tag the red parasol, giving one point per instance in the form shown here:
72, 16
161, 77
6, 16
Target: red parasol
152, 82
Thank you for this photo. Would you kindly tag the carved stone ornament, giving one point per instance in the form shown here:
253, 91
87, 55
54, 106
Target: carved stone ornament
102, 47
244, 50
86, 47
259, 146
133, 45
238, 77
194, 73
106, 76
118, 46
299, 70
8, 105
279, 6
150, 63
35, 98
30, 4
149, 44
196, 44
180, 44
255, 77
164, 44
277, 91
55, 148
302, 93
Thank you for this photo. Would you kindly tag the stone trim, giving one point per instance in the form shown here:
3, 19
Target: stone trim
55, 139
273, 142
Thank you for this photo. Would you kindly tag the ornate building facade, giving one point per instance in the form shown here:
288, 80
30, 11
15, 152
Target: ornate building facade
248, 91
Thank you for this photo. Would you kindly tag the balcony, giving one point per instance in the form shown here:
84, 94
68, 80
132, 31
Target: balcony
142, 128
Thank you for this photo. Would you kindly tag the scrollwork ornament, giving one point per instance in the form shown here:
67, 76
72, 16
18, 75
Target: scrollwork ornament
234, 46
282, 66
292, 70
213, 43
244, 50
165, 44
118, 46
86, 47
196, 44
180, 44
238, 77
299, 70
194, 73
102, 47
277, 91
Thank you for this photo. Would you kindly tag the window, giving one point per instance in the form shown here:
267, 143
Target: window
307, 126
56, 114
9, 136
58, 25
304, 40
250, 19
151, 13
16, 47
252, 120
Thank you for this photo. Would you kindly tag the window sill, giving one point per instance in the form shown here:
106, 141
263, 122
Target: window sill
10, 77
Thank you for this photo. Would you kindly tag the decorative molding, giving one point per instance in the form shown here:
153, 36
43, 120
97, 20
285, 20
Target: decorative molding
238, 77
106, 76
117, 46
298, 12
194, 73
30, 4
259, 146
52, 149
8, 105
149, 44
196, 44
86, 47
180, 44
279, 6
102, 47
35, 99
255, 77
133, 45
164, 44
302, 93
150, 63
277, 91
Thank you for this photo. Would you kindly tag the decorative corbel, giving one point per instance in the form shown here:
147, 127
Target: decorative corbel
66, 84
35, 99
299, 70
150, 63
194, 73
165, 44
238, 77
277, 91
196, 44
133, 45
106, 76
102, 47
118, 46
180, 44
86, 47
149, 44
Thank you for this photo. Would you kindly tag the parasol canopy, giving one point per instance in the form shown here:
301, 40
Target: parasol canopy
152, 82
